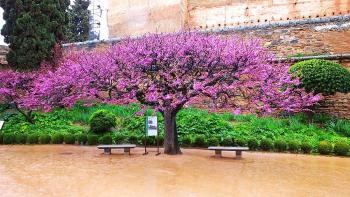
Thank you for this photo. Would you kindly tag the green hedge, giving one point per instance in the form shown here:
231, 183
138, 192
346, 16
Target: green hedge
69, 139
20, 138
57, 138
33, 138
44, 139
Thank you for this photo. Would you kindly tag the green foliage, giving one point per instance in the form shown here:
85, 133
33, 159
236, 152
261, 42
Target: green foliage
102, 121
306, 147
1, 137
57, 138
81, 138
342, 127
119, 138
266, 144
227, 141
69, 139
253, 144
241, 142
92, 139
44, 139
341, 148
33, 138
160, 140
321, 76
280, 145
186, 141
133, 139
20, 138
8, 138
199, 141
325, 148
32, 29
213, 141
106, 139
293, 146
79, 21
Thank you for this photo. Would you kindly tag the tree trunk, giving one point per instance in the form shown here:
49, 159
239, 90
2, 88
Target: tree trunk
171, 145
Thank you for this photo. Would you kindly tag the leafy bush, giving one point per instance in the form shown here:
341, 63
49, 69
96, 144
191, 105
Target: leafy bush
69, 139
57, 138
253, 144
186, 141
160, 140
133, 139
20, 138
81, 138
321, 76
241, 142
44, 139
293, 146
150, 140
1, 135
8, 138
227, 141
213, 141
280, 145
342, 127
325, 148
306, 147
106, 139
92, 139
119, 138
33, 138
341, 148
266, 144
199, 141
102, 121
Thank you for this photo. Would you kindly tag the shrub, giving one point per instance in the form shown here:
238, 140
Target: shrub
57, 138
33, 138
253, 144
92, 139
341, 148
81, 138
119, 138
102, 121
306, 147
186, 141
20, 138
199, 141
44, 139
241, 142
266, 144
8, 138
213, 141
160, 140
325, 148
294, 146
106, 139
321, 76
227, 141
1, 137
69, 139
280, 145
133, 139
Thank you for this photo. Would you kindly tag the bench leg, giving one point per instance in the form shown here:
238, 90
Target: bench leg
238, 154
107, 151
127, 151
217, 153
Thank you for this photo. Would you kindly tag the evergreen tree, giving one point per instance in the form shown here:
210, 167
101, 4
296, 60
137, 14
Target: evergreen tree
79, 21
32, 29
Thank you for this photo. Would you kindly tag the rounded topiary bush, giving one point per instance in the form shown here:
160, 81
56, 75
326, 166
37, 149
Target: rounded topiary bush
92, 139
341, 148
280, 145
8, 138
186, 141
102, 121
106, 139
133, 139
81, 138
266, 144
33, 138
57, 138
227, 141
321, 76
213, 141
44, 139
325, 148
199, 141
69, 138
20, 138
241, 142
253, 144
306, 147
294, 146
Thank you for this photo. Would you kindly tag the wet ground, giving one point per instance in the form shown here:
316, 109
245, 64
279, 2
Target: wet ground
83, 171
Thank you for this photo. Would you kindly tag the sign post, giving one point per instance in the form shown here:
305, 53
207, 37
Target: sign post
151, 130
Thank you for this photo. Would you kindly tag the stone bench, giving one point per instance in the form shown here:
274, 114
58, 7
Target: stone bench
219, 149
108, 148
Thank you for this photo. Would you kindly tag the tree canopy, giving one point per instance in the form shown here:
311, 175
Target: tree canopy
79, 21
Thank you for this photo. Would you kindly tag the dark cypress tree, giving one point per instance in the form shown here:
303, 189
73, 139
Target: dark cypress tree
32, 29
79, 21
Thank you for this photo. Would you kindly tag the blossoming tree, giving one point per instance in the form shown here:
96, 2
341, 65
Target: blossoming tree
167, 72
